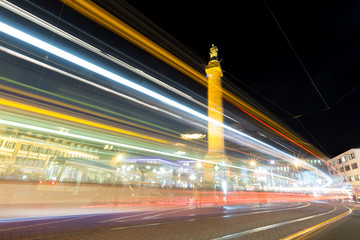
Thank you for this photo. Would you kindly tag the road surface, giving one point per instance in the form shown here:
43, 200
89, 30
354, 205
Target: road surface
313, 220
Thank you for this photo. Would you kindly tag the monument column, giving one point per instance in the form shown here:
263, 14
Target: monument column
214, 174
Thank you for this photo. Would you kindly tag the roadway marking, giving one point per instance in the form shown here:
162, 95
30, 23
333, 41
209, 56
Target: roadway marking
320, 225
120, 219
174, 211
240, 234
71, 218
136, 226
136, 215
208, 218
130, 216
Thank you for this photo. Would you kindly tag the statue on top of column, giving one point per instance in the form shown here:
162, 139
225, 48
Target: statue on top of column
213, 53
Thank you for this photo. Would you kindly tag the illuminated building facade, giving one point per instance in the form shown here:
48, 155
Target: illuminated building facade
34, 156
26, 155
348, 165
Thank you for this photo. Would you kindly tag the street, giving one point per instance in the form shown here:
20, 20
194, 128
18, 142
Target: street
269, 221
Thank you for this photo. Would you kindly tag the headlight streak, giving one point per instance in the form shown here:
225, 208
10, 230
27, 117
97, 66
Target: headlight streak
105, 73
98, 140
84, 81
21, 12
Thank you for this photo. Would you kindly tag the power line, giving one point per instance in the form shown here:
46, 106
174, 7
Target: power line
297, 56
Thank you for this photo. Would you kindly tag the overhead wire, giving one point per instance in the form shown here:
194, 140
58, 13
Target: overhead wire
306, 72
296, 55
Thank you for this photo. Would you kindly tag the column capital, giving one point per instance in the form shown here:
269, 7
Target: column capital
213, 67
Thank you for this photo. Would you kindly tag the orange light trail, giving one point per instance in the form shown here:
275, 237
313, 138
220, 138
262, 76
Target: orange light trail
70, 106
297, 144
62, 116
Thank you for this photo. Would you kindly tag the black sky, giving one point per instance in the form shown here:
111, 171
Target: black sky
325, 36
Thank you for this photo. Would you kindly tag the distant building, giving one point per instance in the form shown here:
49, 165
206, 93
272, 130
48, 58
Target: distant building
347, 164
26, 155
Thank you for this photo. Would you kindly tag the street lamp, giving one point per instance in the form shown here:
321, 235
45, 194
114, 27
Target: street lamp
252, 163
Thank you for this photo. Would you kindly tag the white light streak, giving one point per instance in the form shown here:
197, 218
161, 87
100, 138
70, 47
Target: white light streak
26, 58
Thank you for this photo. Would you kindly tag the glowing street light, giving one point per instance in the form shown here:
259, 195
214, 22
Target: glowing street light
296, 164
192, 136
252, 163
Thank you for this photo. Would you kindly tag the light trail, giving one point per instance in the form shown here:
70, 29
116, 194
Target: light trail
21, 12
70, 106
127, 146
62, 116
16, 54
105, 73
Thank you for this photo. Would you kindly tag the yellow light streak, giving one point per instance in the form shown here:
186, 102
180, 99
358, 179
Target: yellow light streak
70, 106
310, 229
62, 116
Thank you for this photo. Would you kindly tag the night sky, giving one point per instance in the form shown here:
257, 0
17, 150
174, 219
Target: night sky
259, 60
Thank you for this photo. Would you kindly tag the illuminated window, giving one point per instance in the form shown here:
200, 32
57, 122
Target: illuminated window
19, 160
350, 178
9, 144
35, 149
344, 158
31, 162
351, 156
354, 166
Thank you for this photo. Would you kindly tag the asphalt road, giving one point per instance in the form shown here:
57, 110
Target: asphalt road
306, 220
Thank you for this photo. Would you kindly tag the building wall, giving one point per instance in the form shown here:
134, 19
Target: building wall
348, 164
29, 154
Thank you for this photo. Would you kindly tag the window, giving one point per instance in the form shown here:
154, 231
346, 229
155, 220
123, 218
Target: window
354, 166
19, 160
30, 162
357, 177
342, 169
35, 149
339, 160
351, 156
350, 179
9, 144
347, 168
24, 147
344, 158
